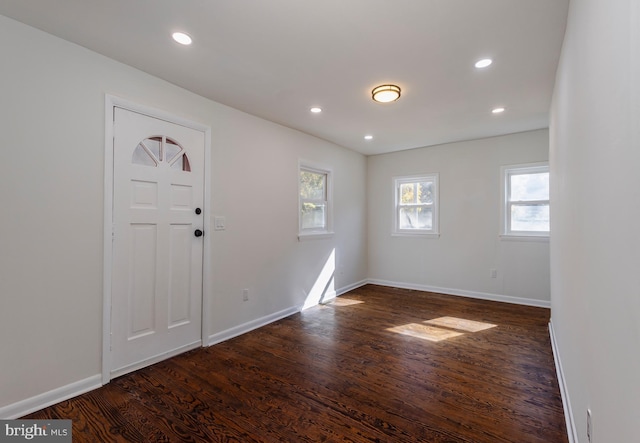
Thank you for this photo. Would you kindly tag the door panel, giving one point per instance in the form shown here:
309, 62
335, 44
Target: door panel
157, 260
142, 281
181, 237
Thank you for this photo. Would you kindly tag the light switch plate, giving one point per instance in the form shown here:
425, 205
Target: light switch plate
219, 223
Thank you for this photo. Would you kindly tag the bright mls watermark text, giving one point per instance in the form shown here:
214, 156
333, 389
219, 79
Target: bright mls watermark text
58, 431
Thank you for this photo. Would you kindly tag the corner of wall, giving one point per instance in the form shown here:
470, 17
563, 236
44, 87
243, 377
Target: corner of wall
564, 391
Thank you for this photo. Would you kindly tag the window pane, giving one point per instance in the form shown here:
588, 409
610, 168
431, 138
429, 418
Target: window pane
530, 218
171, 149
154, 144
142, 157
312, 185
425, 192
182, 163
527, 187
419, 192
407, 193
148, 152
417, 217
313, 216
175, 156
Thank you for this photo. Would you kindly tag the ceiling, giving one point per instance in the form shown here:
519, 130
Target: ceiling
276, 59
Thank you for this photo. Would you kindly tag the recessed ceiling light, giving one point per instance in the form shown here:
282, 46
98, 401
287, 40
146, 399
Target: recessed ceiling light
483, 63
368, 137
385, 93
316, 110
499, 110
181, 38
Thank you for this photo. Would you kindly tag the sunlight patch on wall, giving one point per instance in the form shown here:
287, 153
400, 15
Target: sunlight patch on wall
324, 288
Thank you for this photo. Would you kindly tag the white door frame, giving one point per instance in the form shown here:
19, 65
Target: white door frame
111, 102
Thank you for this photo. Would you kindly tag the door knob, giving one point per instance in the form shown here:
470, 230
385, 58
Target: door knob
198, 233
198, 211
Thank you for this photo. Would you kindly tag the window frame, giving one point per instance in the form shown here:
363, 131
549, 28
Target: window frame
327, 231
506, 172
434, 232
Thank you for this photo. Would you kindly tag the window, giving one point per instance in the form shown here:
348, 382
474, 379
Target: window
315, 201
526, 200
154, 151
416, 205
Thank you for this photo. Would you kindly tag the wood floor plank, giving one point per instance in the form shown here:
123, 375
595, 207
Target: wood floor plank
343, 372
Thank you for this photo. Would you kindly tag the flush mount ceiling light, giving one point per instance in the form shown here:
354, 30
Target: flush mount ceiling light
385, 93
499, 110
316, 110
368, 137
181, 38
483, 63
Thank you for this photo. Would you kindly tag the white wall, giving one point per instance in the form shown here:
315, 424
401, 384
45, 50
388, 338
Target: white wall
460, 259
51, 221
595, 247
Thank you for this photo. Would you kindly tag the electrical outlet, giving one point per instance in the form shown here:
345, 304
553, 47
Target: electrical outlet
589, 427
493, 273
245, 295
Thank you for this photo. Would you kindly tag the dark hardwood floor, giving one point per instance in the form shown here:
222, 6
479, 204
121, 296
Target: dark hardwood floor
350, 371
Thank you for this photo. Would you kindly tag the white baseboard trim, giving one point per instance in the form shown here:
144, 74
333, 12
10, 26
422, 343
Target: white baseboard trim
464, 293
29, 405
219, 337
564, 392
155, 359
351, 287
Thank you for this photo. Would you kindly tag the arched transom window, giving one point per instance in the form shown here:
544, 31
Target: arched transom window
157, 150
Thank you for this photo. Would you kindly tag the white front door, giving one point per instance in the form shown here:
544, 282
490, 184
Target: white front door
156, 298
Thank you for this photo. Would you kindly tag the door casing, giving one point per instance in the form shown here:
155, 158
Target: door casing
112, 101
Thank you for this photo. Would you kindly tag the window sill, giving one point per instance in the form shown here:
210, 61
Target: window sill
314, 235
525, 238
416, 234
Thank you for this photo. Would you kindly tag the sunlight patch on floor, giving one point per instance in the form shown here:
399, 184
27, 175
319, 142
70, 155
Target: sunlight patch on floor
442, 328
425, 332
341, 301
460, 324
